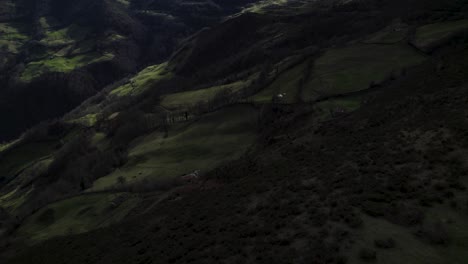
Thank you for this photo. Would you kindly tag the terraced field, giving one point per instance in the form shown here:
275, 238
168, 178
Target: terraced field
143, 80
61, 64
394, 33
355, 68
20, 157
430, 36
287, 83
202, 145
190, 98
62, 49
12, 37
64, 36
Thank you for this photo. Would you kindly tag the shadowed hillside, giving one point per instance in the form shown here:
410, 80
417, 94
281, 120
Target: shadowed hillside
55, 55
285, 132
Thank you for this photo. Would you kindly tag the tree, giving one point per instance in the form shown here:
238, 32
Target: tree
121, 180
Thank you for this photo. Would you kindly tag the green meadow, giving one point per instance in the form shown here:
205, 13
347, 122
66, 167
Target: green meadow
201, 145
286, 83
429, 35
355, 68
143, 80
184, 99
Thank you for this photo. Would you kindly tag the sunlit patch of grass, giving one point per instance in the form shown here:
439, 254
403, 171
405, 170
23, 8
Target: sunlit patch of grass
100, 141
115, 37
260, 7
202, 145
61, 64
13, 31
14, 199
126, 3
88, 120
143, 80
12, 37
48, 22
65, 36
6, 145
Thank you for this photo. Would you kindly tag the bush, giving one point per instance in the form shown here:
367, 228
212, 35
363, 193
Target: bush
385, 243
368, 255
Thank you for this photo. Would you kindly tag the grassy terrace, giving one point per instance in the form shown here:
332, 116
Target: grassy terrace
77, 215
14, 199
287, 82
88, 120
177, 100
394, 33
354, 68
22, 156
202, 145
61, 64
143, 80
429, 35
12, 37
64, 36
7, 145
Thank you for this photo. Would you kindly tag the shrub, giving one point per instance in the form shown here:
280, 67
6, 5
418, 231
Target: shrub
367, 255
385, 243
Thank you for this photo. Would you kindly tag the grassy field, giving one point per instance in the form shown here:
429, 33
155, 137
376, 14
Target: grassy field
390, 35
64, 36
348, 104
77, 215
88, 120
260, 6
215, 138
20, 157
12, 37
184, 99
143, 80
429, 35
7, 145
287, 82
13, 31
354, 68
61, 64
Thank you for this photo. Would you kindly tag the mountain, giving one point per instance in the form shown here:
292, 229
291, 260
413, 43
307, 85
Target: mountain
55, 55
237, 132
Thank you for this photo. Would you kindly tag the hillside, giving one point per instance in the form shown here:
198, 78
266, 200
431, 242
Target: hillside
56, 55
285, 132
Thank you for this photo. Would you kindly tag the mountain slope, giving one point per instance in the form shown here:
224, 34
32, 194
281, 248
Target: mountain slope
313, 132
55, 55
